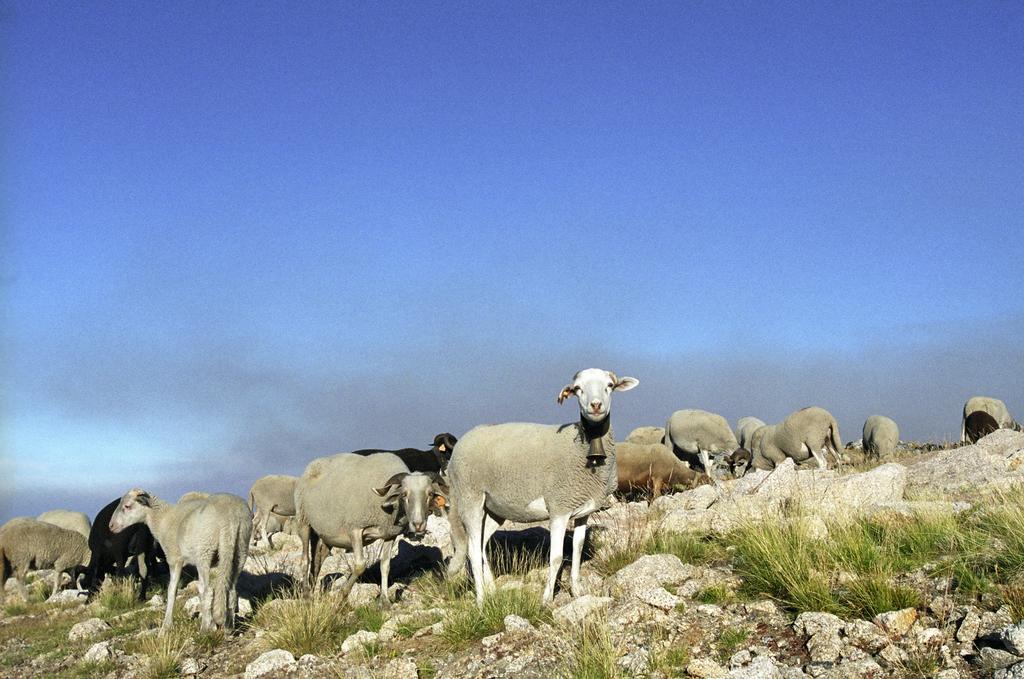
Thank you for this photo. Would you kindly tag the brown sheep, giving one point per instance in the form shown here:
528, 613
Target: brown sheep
650, 468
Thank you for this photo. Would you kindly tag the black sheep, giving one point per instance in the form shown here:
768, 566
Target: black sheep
111, 551
433, 460
978, 425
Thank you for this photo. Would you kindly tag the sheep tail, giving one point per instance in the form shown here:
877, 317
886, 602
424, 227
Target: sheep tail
227, 551
833, 434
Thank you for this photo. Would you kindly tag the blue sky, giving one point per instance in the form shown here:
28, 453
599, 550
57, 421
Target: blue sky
236, 238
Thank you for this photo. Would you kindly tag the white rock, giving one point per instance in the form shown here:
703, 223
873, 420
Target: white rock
1012, 672
762, 667
650, 571
400, 668
515, 623
705, 668
193, 606
69, 596
358, 640
740, 658
190, 667
270, 662
1013, 638
87, 629
244, 608
997, 659
362, 594
810, 624
825, 647
968, 630
98, 652
580, 609
897, 623
659, 597
156, 601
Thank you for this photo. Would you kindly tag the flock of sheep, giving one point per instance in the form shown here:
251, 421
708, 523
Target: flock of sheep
517, 472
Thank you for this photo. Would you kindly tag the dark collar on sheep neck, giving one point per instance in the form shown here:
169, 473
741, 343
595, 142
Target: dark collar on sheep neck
594, 433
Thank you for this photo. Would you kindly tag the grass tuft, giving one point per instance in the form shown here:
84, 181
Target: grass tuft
118, 595
593, 654
164, 653
465, 623
307, 622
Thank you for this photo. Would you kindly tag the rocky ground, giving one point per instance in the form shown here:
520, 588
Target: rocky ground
913, 567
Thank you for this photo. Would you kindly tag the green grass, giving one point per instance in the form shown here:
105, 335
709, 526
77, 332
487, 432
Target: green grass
369, 617
592, 654
87, 670
118, 595
981, 551
715, 594
465, 623
164, 653
731, 640
671, 661
691, 548
307, 622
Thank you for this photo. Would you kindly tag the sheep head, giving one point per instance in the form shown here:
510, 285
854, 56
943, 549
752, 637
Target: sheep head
132, 509
593, 389
411, 497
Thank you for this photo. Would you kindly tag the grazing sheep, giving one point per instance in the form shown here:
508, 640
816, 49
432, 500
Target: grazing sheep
994, 407
32, 544
112, 551
697, 434
745, 428
880, 436
204, 532
435, 460
805, 434
739, 462
644, 435
339, 503
979, 425
65, 518
281, 524
274, 494
530, 472
649, 468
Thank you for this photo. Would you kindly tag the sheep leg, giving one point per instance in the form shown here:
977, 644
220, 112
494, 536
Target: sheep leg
385, 570
263, 528
143, 575
57, 572
579, 536
557, 530
822, 463
473, 521
491, 524
358, 562
172, 592
206, 595
256, 519
459, 544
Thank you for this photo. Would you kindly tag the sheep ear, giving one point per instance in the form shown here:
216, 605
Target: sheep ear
144, 499
566, 393
626, 383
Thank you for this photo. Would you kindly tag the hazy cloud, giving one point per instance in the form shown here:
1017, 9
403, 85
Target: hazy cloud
245, 417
